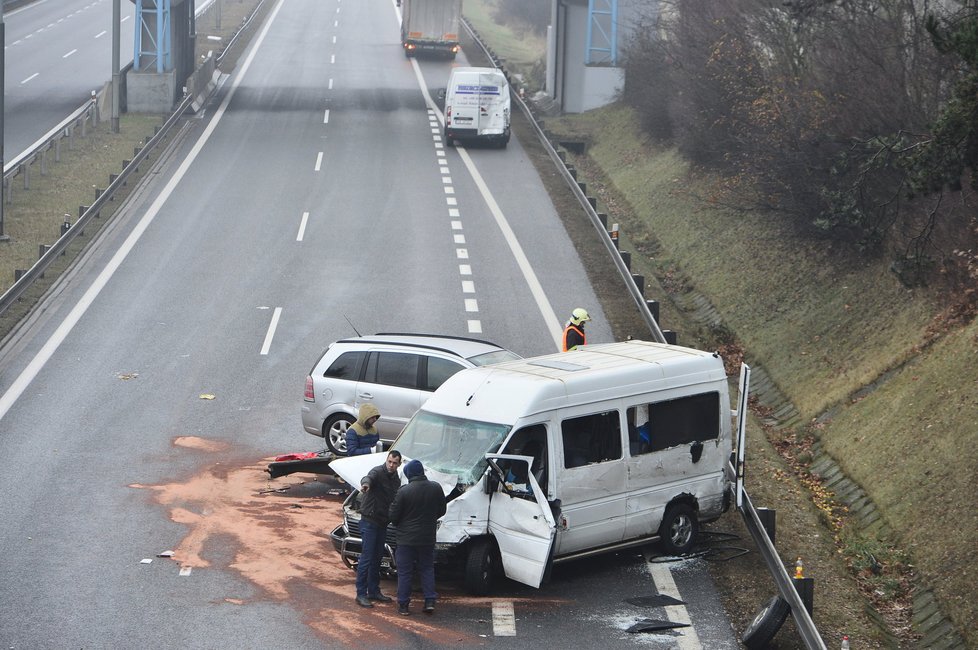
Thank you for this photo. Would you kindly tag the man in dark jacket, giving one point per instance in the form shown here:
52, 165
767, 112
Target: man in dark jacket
415, 513
377, 490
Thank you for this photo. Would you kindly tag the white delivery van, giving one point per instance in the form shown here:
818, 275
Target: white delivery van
477, 106
564, 456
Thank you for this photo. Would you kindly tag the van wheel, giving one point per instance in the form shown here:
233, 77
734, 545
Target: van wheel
334, 431
766, 624
679, 529
449, 140
481, 567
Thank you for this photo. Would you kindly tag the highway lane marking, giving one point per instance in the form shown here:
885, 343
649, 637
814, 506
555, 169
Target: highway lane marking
65, 56
101, 34
687, 638
329, 86
326, 117
44, 355
529, 275
270, 334
302, 226
319, 161
30, 78
503, 618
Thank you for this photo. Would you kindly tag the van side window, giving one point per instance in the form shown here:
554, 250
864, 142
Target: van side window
674, 422
346, 366
591, 438
531, 441
393, 369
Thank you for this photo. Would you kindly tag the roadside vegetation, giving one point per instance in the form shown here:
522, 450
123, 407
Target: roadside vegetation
819, 191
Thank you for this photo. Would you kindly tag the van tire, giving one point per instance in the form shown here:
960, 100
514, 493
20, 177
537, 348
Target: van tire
481, 567
766, 624
449, 140
679, 529
334, 432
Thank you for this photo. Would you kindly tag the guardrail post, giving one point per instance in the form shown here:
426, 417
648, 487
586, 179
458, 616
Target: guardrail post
640, 283
603, 218
613, 233
19, 273
768, 519
653, 306
26, 170
626, 258
672, 338
65, 225
806, 591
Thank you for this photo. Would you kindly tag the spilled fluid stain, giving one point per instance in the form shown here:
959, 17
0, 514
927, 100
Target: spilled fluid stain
279, 538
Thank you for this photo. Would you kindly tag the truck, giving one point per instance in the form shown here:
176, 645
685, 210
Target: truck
564, 456
430, 27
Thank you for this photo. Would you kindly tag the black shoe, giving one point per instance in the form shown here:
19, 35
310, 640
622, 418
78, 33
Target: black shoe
381, 598
403, 610
429, 606
363, 601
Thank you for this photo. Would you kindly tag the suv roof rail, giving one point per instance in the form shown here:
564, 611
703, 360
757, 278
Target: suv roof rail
438, 336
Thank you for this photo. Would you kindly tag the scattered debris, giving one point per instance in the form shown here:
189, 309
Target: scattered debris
165, 554
281, 489
206, 396
185, 570
125, 376
657, 600
653, 625
146, 560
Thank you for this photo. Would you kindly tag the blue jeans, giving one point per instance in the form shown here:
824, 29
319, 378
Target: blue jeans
407, 557
368, 568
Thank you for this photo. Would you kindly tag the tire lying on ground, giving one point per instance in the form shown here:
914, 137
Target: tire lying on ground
766, 624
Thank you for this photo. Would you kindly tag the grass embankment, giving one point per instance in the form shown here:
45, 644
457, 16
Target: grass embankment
522, 50
826, 329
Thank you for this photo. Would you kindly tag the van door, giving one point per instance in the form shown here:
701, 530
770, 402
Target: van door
521, 521
491, 117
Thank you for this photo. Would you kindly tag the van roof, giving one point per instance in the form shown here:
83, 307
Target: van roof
507, 391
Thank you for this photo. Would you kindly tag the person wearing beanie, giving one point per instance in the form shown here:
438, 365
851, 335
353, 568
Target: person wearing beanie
415, 512
362, 437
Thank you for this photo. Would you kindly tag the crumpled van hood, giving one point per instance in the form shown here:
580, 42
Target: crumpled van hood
353, 468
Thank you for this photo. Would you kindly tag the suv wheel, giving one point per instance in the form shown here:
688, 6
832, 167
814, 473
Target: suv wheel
334, 432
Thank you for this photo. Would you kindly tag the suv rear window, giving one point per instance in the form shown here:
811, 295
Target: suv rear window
346, 366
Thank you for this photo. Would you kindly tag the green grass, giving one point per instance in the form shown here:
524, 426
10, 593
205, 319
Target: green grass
522, 50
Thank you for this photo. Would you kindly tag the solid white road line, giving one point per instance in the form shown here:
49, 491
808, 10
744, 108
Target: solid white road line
687, 638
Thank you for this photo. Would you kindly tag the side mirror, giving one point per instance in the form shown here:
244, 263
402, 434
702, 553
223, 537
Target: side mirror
492, 482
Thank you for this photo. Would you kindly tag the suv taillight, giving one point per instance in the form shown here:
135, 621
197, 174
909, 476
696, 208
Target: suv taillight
310, 394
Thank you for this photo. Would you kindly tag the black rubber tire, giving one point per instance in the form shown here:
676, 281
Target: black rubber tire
449, 140
481, 567
679, 529
766, 624
333, 427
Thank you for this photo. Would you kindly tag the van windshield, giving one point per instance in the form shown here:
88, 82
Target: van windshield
451, 445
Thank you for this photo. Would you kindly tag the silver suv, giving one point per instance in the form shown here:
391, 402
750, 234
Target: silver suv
395, 372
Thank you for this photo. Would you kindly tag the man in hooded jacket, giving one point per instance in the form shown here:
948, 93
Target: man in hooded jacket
415, 512
362, 437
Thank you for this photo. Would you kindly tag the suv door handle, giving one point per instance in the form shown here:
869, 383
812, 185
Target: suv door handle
366, 396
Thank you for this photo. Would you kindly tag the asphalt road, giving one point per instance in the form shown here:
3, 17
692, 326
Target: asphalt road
137, 409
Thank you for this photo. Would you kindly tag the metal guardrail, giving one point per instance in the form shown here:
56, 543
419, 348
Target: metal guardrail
37, 152
37, 270
786, 588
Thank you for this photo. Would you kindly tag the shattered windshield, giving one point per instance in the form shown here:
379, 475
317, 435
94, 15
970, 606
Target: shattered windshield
451, 445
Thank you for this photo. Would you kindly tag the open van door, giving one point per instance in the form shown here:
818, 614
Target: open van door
742, 430
521, 522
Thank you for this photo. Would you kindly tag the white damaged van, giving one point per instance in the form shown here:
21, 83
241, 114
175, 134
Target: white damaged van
564, 456
477, 106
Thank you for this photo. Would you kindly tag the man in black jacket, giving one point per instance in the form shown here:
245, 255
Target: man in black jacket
415, 513
377, 493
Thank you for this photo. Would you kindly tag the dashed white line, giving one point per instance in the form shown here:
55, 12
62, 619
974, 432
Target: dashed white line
464, 269
453, 212
302, 226
456, 225
468, 286
319, 161
332, 58
462, 253
475, 327
459, 239
471, 304
271, 331
30, 78
503, 618
67, 54
101, 34
326, 117
330, 84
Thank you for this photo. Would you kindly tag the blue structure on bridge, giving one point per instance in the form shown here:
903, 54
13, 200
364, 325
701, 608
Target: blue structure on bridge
163, 57
602, 32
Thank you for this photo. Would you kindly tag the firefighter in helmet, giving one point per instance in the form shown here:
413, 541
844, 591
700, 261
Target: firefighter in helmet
574, 330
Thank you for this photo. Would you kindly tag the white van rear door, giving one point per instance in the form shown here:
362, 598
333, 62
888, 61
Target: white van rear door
524, 528
490, 102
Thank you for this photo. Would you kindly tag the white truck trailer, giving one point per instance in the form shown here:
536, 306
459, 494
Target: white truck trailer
430, 27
